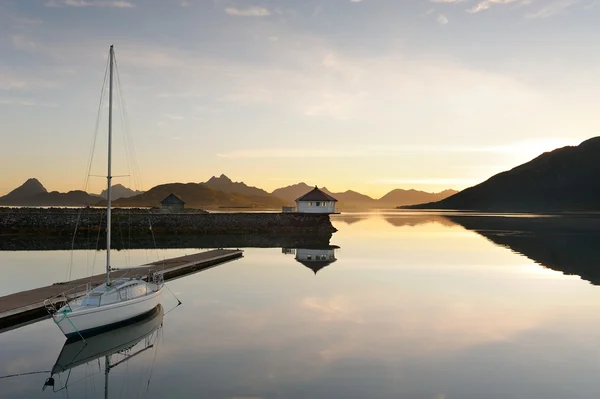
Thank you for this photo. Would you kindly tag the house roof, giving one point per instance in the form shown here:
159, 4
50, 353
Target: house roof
316, 265
316, 195
172, 199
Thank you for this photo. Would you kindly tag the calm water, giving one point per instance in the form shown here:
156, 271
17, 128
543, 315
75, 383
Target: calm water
414, 307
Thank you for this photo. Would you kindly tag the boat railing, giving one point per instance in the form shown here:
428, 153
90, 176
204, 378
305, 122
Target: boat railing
156, 278
53, 303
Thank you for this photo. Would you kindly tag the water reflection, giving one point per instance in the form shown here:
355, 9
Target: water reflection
116, 347
315, 258
425, 310
568, 244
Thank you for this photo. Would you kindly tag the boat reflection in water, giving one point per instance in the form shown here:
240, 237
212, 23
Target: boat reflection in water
119, 342
315, 258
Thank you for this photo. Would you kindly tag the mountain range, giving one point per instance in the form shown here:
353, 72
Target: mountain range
565, 179
351, 199
217, 192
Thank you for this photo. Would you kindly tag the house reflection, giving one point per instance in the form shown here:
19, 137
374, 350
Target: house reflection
315, 258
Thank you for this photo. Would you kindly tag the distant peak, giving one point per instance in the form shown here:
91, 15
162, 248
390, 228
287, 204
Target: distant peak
34, 183
223, 178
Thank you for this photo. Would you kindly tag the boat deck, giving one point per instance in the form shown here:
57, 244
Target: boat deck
24, 307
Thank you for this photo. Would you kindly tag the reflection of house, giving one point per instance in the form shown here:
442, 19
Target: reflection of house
172, 202
314, 258
316, 201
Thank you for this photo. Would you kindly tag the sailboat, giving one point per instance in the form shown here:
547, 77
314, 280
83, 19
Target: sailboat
121, 341
116, 301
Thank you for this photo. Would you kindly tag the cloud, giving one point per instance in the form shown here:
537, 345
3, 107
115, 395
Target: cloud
28, 21
552, 9
441, 19
527, 147
253, 11
25, 103
90, 3
486, 4
22, 43
430, 181
11, 81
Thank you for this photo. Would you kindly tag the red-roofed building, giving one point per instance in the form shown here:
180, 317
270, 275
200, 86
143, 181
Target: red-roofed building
316, 201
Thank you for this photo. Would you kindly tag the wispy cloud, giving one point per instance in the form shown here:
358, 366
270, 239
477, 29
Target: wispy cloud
12, 81
294, 179
25, 102
552, 9
253, 11
90, 3
23, 43
486, 4
27, 21
433, 181
442, 19
529, 147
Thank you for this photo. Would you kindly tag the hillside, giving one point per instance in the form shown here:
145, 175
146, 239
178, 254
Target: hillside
290, 193
225, 184
33, 193
351, 199
408, 197
120, 191
198, 195
566, 179
30, 188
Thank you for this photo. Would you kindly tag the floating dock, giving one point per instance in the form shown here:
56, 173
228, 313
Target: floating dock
25, 307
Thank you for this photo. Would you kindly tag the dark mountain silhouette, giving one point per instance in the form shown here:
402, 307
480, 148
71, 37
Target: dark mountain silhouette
408, 197
290, 193
225, 184
216, 192
566, 179
120, 191
198, 195
33, 193
352, 199
400, 220
30, 188
568, 244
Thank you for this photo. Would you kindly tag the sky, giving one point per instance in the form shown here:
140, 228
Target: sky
368, 95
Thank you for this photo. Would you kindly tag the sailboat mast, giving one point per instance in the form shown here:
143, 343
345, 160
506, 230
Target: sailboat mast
106, 370
109, 175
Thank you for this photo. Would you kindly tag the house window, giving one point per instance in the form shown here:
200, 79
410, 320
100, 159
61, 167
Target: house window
308, 257
318, 204
310, 204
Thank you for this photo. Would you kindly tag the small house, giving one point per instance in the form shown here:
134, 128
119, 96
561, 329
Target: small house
316, 201
172, 203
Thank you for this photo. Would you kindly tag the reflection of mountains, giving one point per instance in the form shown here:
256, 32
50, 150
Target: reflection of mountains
400, 220
260, 240
568, 244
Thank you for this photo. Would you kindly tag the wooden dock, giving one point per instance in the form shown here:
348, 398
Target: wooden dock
24, 307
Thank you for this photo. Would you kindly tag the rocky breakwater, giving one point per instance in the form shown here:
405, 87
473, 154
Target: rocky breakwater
138, 226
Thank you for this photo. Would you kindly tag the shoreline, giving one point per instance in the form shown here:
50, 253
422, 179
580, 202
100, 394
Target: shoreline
139, 221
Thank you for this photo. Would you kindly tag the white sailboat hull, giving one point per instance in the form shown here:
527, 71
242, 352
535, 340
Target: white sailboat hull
91, 320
